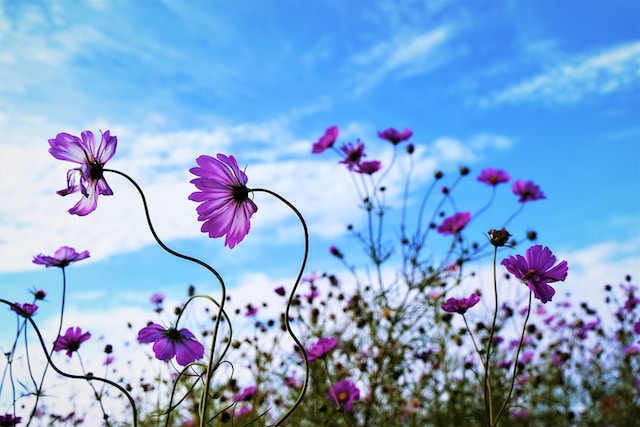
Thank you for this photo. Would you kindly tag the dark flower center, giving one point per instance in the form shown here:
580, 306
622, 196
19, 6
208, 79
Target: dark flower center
240, 193
173, 335
531, 274
343, 396
95, 171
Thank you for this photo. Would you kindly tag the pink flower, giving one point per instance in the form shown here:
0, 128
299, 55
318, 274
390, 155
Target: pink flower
71, 340
343, 394
246, 394
322, 347
368, 167
156, 298
493, 177
527, 191
537, 271
335, 252
455, 223
327, 140
61, 258
455, 305
25, 310
91, 183
251, 311
226, 207
169, 342
395, 137
353, 153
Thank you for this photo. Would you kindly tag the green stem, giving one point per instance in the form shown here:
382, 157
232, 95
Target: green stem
488, 398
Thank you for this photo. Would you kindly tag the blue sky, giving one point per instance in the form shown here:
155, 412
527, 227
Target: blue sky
548, 90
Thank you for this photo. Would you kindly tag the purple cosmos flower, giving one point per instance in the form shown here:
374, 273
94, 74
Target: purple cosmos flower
493, 177
61, 258
335, 252
226, 207
395, 137
251, 311
354, 153
280, 290
537, 271
327, 140
169, 342
455, 305
321, 348
368, 167
9, 420
343, 394
527, 190
454, 223
108, 361
39, 294
24, 310
246, 394
91, 183
636, 327
71, 340
156, 298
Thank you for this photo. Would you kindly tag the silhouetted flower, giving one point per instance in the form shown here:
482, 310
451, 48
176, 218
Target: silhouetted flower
460, 305
327, 140
169, 342
61, 258
335, 252
395, 137
280, 290
537, 271
24, 310
527, 191
246, 394
343, 394
9, 420
71, 340
322, 347
353, 153
91, 183
454, 223
226, 207
493, 177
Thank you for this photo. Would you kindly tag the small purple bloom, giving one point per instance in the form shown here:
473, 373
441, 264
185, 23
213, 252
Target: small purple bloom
61, 258
246, 394
251, 311
537, 271
354, 153
343, 394
108, 361
280, 291
169, 342
91, 182
25, 310
335, 252
327, 140
527, 191
39, 294
455, 305
156, 298
394, 136
9, 420
369, 167
71, 340
226, 207
636, 327
493, 177
322, 347
454, 223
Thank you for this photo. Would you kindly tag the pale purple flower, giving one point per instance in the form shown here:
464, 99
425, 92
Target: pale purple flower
343, 394
353, 153
454, 223
24, 310
108, 361
394, 136
527, 191
226, 207
327, 140
636, 327
321, 348
537, 270
156, 298
61, 258
368, 167
460, 305
493, 177
91, 182
246, 394
251, 310
169, 342
71, 340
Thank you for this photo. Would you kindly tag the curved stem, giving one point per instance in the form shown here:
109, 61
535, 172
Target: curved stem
290, 302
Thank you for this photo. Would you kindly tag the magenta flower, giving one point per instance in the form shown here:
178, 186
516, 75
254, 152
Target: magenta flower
61, 258
251, 311
9, 420
395, 137
369, 167
335, 252
169, 342
454, 223
322, 347
280, 290
636, 327
354, 153
455, 305
246, 394
527, 191
91, 183
343, 394
327, 140
493, 177
156, 298
226, 207
108, 361
537, 271
71, 340
25, 310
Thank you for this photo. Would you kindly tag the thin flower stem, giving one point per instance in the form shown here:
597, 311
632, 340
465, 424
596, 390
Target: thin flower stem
286, 415
488, 398
473, 340
98, 396
209, 373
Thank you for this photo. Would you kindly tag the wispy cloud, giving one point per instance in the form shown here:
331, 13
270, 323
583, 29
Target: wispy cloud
604, 72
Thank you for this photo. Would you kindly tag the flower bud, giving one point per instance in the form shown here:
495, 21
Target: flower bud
499, 237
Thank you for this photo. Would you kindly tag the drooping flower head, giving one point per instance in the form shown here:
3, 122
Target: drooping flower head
369, 167
461, 305
527, 191
226, 207
322, 347
537, 270
326, 141
493, 177
25, 310
343, 394
353, 153
90, 183
394, 136
454, 223
169, 342
9, 420
61, 258
71, 340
